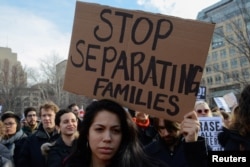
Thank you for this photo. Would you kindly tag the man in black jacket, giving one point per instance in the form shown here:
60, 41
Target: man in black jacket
31, 155
178, 144
30, 115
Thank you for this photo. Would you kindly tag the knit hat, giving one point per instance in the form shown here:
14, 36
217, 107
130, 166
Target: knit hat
10, 114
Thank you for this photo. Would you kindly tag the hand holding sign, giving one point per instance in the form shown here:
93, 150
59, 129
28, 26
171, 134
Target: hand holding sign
190, 127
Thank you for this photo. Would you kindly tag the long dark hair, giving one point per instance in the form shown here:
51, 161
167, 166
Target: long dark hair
129, 154
241, 118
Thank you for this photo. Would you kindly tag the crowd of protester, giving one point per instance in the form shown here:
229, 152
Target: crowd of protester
111, 136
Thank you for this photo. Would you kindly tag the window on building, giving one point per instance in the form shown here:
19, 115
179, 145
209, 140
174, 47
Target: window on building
224, 65
214, 56
223, 54
234, 63
208, 69
218, 40
218, 79
232, 51
209, 80
235, 75
226, 77
244, 61
216, 67
245, 73
230, 38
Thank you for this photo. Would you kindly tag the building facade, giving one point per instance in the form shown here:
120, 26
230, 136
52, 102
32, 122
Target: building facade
227, 67
14, 94
66, 97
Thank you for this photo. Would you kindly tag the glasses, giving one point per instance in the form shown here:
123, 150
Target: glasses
31, 115
9, 123
200, 111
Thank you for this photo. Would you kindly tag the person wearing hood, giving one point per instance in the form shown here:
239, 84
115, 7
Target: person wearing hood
14, 136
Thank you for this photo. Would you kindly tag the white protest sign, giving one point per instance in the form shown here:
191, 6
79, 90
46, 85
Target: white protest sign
230, 99
209, 129
221, 103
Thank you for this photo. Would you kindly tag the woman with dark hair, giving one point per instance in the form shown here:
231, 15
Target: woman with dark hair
108, 138
66, 123
14, 136
237, 136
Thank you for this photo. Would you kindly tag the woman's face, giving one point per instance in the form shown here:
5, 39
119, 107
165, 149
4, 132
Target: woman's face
104, 136
68, 124
203, 110
10, 126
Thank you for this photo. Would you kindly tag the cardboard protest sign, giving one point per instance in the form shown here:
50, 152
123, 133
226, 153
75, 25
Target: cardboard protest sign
147, 62
209, 129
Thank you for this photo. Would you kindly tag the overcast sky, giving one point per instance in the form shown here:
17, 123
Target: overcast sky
38, 28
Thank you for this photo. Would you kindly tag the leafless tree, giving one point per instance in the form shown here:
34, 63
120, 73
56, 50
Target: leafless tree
50, 83
13, 80
236, 33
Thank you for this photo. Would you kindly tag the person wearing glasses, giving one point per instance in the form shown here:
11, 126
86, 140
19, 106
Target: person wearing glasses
178, 143
31, 125
14, 136
202, 109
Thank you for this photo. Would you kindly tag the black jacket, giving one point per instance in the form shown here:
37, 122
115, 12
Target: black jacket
79, 161
232, 141
58, 153
192, 154
31, 150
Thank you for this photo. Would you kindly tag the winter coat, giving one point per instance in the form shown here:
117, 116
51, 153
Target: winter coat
193, 154
5, 155
232, 141
58, 153
14, 144
31, 150
28, 131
